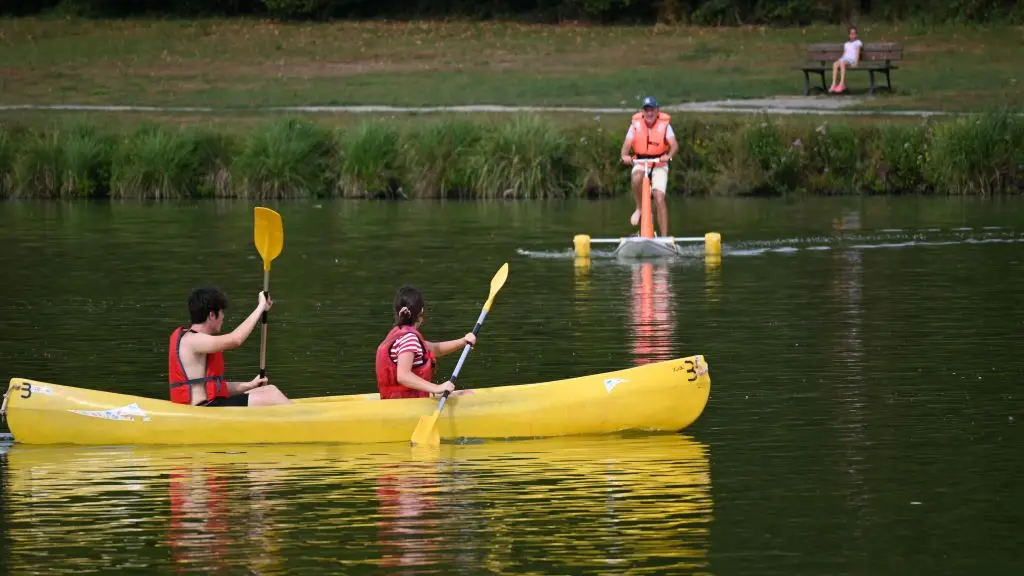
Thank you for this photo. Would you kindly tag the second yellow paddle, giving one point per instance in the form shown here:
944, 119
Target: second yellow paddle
426, 430
268, 235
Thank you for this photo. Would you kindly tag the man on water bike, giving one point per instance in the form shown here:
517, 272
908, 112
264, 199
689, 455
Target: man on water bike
650, 136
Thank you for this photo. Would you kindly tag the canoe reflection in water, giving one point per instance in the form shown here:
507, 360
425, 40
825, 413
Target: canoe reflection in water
617, 504
573, 504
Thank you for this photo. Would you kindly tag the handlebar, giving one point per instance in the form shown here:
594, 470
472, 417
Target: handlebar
645, 161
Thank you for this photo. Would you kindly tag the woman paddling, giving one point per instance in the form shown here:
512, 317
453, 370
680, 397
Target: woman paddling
405, 360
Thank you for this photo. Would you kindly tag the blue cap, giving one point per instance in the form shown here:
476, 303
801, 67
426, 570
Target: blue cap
650, 102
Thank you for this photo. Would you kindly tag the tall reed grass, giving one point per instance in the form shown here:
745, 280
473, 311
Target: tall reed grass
289, 158
153, 162
67, 161
525, 156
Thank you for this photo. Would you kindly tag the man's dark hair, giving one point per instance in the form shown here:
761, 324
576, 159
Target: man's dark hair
202, 301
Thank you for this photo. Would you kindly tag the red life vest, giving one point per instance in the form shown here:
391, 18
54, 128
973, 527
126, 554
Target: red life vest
181, 386
650, 142
387, 370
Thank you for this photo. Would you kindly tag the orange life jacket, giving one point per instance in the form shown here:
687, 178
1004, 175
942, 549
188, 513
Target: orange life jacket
650, 142
387, 370
181, 386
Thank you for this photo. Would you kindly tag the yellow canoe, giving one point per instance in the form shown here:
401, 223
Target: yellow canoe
663, 396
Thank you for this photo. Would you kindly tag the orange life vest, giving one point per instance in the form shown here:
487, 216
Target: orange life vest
650, 142
387, 370
181, 386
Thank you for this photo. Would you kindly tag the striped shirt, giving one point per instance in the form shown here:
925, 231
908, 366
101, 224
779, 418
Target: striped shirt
408, 342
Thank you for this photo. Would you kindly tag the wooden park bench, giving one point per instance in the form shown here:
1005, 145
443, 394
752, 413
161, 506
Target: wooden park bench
876, 57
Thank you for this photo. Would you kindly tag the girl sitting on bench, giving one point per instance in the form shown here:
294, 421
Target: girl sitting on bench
851, 57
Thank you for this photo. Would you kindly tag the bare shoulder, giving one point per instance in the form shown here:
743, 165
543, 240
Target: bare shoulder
187, 343
201, 343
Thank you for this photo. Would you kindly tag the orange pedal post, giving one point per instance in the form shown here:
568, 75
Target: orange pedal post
646, 219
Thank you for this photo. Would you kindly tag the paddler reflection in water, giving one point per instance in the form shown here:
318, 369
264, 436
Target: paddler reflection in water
405, 360
195, 359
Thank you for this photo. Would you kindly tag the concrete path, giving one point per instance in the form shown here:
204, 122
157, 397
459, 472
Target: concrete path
816, 105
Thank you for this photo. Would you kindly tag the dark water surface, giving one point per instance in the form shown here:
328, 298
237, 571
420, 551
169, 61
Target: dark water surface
865, 411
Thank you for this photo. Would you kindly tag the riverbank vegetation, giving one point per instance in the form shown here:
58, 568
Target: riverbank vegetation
521, 156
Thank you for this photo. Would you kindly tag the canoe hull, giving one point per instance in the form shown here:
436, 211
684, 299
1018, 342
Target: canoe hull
665, 396
637, 247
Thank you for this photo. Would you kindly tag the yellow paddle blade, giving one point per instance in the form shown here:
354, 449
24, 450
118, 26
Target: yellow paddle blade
496, 283
426, 431
268, 234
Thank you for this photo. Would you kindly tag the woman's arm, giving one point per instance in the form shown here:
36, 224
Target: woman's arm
449, 346
409, 380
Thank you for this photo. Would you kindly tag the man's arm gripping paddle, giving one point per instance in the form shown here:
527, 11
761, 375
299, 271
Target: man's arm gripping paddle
268, 234
426, 430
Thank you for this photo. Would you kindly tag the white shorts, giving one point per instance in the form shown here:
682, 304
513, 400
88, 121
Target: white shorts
849, 61
659, 177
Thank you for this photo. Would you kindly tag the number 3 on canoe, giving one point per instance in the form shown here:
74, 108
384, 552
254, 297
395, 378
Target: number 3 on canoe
691, 369
426, 430
26, 392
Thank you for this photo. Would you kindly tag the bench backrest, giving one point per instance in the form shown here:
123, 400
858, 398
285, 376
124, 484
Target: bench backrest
874, 51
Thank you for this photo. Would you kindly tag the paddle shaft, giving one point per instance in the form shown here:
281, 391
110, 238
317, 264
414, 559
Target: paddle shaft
263, 319
462, 358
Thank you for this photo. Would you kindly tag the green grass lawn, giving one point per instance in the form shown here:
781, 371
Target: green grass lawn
242, 64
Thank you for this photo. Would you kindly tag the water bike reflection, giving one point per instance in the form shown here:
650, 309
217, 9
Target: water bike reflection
651, 316
653, 313
653, 303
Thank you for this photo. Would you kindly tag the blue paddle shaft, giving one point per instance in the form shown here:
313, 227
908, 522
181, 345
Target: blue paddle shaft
465, 352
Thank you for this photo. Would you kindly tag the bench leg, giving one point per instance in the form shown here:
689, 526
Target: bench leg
871, 89
888, 82
807, 81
